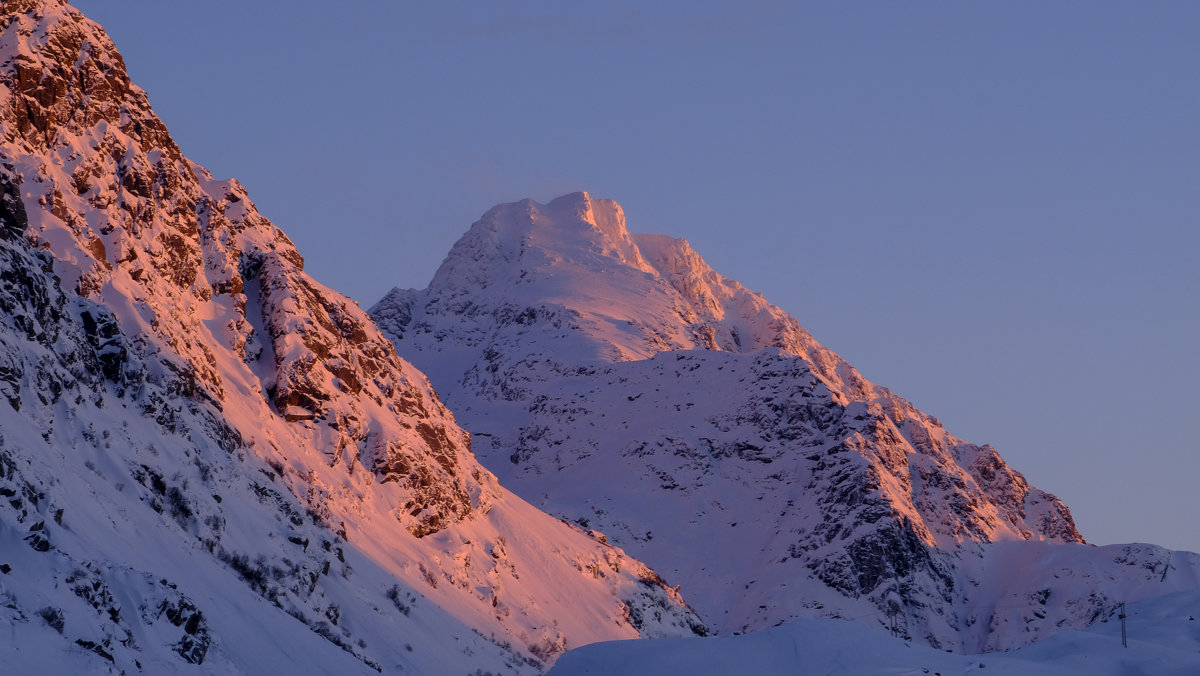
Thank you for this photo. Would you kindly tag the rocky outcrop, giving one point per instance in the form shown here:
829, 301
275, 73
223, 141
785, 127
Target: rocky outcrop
111, 192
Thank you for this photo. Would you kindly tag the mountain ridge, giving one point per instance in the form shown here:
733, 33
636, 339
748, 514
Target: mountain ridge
670, 408
176, 383
201, 446
694, 307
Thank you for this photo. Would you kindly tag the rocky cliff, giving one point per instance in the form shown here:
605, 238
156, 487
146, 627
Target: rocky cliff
209, 441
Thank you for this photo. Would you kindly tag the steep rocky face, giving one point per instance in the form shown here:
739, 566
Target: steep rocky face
132, 535
110, 194
206, 410
619, 381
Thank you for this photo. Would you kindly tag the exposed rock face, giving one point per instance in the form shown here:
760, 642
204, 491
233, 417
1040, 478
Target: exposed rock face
619, 381
199, 407
119, 201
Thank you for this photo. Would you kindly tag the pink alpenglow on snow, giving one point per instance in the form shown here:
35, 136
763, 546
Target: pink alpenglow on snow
213, 462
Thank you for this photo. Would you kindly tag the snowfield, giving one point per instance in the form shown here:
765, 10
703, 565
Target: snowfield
1163, 640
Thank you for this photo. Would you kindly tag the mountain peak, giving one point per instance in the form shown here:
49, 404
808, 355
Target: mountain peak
604, 368
29, 6
569, 243
568, 225
580, 197
66, 78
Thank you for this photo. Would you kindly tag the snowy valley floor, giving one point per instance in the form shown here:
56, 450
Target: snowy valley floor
1163, 637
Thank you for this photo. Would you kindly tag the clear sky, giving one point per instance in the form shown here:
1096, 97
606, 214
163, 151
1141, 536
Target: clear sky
991, 208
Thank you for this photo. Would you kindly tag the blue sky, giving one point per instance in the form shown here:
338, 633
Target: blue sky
991, 209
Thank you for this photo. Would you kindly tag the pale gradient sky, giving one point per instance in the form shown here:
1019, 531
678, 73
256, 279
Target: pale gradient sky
991, 209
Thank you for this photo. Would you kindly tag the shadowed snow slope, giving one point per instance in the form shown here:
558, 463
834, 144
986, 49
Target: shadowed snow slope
618, 381
206, 457
1164, 639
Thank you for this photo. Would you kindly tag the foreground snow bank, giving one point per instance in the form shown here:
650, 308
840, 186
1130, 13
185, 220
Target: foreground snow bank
1164, 639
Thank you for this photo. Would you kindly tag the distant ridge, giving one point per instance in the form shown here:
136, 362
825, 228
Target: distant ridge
617, 380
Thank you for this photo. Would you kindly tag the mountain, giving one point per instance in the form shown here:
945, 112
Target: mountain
208, 458
618, 381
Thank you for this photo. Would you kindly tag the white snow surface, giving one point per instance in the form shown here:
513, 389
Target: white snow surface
1163, 636
618, 381
211, 463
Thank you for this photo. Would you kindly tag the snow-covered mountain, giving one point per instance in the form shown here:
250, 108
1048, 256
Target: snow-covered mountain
206, 457
210, 462
618, 381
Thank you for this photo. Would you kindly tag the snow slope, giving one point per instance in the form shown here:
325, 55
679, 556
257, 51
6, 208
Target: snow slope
208, 457
615, 379
1163, 639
